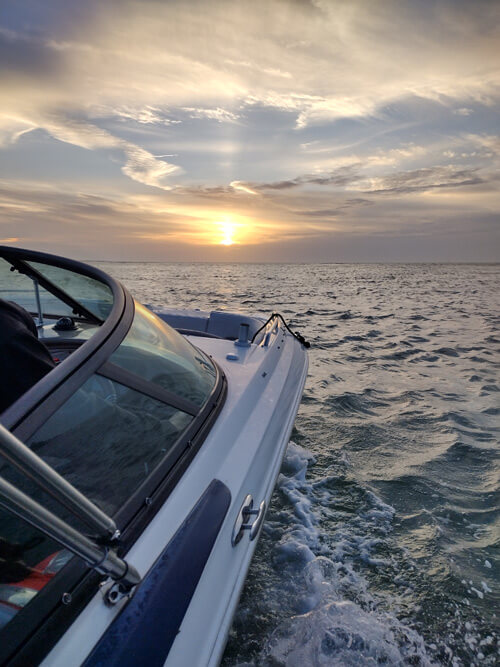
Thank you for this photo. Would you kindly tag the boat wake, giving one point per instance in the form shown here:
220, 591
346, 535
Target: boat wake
328, 615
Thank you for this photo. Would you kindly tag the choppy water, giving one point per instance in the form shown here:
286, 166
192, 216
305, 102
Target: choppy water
381, 543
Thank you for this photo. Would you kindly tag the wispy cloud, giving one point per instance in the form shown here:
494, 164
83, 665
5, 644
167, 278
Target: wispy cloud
12, 129
140, 165
218, 114
421, 180
463, 111
147, 115
316, 62
339, 177
242, 187
341, 209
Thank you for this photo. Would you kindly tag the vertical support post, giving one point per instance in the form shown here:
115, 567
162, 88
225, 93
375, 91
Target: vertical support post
38, 302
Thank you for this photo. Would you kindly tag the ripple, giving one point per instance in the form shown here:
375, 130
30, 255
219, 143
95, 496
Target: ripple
459, 418
448, 352
402, 354
350, 403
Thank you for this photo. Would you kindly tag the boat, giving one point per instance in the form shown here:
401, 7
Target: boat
135, 475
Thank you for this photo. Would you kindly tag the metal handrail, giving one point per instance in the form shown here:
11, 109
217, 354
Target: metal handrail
102, 559
27, 462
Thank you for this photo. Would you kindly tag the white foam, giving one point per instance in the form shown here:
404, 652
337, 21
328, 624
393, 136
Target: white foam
340, 633
337, 621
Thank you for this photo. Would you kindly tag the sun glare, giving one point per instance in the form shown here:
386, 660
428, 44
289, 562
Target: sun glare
227, 229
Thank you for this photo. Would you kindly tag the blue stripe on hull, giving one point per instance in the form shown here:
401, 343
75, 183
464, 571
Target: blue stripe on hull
146, 628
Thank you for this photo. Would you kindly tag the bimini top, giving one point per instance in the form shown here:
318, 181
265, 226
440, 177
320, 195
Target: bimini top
120, 417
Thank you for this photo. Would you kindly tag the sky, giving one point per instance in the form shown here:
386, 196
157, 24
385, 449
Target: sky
276, 130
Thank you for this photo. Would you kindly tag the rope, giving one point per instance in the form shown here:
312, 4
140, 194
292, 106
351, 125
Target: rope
295, 334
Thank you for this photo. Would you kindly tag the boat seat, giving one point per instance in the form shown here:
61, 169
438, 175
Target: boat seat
216, 323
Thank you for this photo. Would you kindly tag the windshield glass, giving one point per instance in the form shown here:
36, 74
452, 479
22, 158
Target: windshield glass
94, 295
18, 287
157, 353
107, 438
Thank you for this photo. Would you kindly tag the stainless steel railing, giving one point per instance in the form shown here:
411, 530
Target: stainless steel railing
101, 558
27, 462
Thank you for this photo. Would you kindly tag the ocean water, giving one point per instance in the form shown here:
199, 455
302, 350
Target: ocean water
381, 545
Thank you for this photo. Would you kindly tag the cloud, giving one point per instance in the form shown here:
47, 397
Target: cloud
489, 143
421, 180
140, 165
147, 115
327, 213
220, 115
311, 109
339, 177
76, 222
288, 225
351, 178
11, 129
315, 60
242, 187
463, 111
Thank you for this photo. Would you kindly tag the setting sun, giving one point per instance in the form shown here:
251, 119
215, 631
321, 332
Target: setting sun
227, 228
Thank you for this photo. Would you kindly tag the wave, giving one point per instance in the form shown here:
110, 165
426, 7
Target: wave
399, 355
350, 403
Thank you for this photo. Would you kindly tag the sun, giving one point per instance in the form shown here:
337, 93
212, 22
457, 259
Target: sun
227, 228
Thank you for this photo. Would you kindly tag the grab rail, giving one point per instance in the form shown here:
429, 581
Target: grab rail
102, 559
27, 462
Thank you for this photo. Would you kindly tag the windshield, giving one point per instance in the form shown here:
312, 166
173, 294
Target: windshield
18, 287
94, 295
160, 355
56, 291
